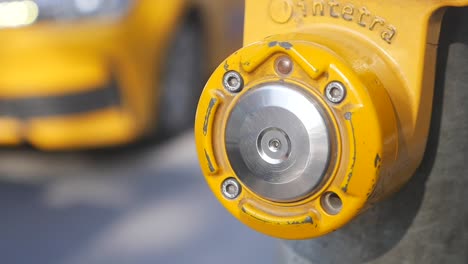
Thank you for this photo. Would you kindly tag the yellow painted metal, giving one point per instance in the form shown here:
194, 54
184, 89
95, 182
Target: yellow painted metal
11, 128
58, 133
383, 51
56, 58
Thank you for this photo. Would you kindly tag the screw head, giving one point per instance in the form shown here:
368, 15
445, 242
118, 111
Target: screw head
284, 65
335, 92
233, 82
231, 188
274, 145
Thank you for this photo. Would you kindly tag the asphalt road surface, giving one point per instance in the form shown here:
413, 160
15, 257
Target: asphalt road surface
144, 204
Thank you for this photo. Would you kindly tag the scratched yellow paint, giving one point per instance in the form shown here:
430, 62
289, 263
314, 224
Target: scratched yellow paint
384, 52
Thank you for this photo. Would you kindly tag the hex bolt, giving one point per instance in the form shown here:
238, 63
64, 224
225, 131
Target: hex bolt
284, 65
231, 188
335, 92
233, 82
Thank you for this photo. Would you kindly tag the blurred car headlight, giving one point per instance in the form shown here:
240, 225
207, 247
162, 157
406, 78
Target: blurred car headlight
15, 13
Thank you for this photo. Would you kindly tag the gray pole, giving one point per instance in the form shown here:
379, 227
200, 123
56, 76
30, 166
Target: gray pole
427, 221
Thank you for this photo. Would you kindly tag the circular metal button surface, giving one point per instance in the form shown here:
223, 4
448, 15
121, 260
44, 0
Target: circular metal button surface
278, 142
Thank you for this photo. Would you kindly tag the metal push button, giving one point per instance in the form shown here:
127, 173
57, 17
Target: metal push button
278, 142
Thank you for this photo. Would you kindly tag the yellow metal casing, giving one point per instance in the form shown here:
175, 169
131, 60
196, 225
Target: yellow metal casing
383, 52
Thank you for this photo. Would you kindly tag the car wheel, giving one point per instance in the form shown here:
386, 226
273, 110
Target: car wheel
181, 80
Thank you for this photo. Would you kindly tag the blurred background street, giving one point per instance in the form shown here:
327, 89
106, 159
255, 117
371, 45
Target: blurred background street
103, 74
139, 204
90, 90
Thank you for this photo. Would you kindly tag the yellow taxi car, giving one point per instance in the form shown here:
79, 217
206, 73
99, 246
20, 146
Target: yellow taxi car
95, 73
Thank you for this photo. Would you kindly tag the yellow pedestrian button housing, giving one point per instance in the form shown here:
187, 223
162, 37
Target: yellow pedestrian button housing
325, 113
